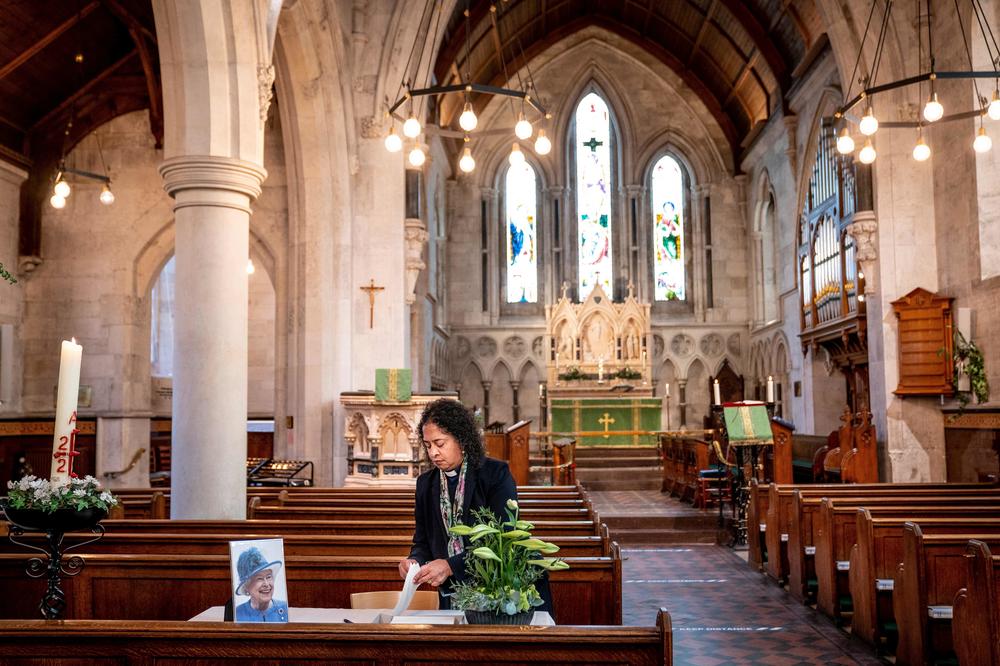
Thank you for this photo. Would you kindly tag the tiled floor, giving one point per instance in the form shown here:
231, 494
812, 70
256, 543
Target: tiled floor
722, 612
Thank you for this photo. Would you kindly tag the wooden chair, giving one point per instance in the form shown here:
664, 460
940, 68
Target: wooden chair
422, 599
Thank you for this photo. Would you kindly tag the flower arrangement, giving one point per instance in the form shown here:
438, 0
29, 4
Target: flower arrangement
968, 359
78, 494
503, 568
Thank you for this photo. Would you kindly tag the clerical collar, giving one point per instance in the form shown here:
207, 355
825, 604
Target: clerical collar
451, 472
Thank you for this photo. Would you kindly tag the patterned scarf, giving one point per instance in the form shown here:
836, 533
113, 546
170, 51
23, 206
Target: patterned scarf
451, 512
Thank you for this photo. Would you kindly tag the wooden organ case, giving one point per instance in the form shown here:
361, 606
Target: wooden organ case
831, 284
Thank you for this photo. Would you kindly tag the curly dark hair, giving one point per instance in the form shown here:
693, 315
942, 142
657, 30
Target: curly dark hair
455, 419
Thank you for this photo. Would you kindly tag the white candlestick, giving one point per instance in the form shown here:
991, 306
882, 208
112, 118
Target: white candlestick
770, 388
600, 369
667, 390
715, 392
65, 426
541, 390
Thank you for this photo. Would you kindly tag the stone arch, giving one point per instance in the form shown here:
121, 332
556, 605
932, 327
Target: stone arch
697, 393
764, 252
501, 393
395, 433
470, 386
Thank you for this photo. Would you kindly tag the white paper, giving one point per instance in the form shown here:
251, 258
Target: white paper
408, 589
424, 619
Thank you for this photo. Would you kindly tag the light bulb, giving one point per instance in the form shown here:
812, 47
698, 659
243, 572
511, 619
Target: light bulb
57, 201
523, 129
516, 156
869, 123
467, 163
933, 111
845, 144
107, 196
61, 188
250, 267
417, 157
393, 143
921, 151
542, 143
468, 120
411, 127
993, 110
983, 142
867, 154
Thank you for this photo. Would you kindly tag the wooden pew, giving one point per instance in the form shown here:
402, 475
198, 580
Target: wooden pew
135, 642
828, 564
299, 500
975, 623
295, 544
543, 528
168, 587
836, 533
930, 575
315, 512
756, 515
779, 510
153, 505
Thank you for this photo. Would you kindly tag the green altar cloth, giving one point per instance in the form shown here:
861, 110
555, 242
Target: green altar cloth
748, 424
607, 414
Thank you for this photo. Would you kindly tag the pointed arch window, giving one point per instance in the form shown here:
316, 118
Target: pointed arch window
668, 230
521, 222
593, 193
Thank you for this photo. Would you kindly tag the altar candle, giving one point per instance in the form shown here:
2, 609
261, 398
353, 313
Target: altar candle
770, 388
644, 357
667, 390
66, 397
541, 390
715, 392
600, 369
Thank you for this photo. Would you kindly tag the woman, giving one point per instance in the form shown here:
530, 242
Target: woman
463, 480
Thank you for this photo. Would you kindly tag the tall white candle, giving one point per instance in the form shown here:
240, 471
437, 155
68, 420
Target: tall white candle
667, 390
770, 388
715, 392
600, 369
65, 425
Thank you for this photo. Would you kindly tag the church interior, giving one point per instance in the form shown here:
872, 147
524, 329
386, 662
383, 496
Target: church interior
715, 277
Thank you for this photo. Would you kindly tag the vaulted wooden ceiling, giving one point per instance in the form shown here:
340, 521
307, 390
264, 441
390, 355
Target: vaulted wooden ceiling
43, 88
739, 56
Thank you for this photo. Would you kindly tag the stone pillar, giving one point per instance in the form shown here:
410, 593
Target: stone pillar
514, 386
682, 401
212, 212
486, 402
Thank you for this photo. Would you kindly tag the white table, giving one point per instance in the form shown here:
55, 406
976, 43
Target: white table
357, 615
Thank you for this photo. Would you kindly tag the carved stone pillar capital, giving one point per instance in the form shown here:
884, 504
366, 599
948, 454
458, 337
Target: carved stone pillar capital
864, 230
204, 180
416, 235
489, 193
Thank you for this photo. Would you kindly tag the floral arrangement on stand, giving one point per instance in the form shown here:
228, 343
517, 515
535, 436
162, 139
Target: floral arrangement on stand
502, 569
968, 359
78, 494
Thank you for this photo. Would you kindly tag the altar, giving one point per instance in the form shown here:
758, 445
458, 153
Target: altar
599, 370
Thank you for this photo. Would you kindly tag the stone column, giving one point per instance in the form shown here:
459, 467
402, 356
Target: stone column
486, 402
416, 232
212, 212
514, 386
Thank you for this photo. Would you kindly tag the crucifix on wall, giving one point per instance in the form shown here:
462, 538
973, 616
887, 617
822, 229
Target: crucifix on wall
372, 290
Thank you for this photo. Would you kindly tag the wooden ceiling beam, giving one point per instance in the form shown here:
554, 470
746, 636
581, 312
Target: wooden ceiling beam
761, 40
34, 49
733, 92
128, 18
90, 85
702, 29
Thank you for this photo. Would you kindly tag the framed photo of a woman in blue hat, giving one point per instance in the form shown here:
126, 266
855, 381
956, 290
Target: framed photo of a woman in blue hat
259, 590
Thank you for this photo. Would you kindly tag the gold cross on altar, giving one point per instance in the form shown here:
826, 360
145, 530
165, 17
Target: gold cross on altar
371, 289
606, 420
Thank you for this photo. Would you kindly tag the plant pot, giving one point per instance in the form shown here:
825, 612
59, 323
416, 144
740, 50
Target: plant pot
491, 617
60, 520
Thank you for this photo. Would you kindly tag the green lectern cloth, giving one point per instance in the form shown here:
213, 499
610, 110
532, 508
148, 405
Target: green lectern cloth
393, 384
748, 424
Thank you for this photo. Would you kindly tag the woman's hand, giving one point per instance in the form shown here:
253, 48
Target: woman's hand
404, 567
433, 573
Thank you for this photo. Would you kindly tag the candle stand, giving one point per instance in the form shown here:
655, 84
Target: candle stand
55, 565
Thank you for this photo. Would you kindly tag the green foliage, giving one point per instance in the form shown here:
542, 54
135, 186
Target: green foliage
574, 373
628, 373
502, 569
7, 275
33, 493
968, 360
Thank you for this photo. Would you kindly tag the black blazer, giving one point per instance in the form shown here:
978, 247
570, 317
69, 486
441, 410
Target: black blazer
491, 485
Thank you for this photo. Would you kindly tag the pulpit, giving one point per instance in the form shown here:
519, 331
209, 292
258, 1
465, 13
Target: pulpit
511, 444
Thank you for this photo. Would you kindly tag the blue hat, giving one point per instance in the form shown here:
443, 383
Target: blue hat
251, 562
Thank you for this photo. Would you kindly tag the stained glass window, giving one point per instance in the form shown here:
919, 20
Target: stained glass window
668, 230
522, 235
593, 193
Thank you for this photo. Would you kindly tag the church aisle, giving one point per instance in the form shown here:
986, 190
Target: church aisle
723, 613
